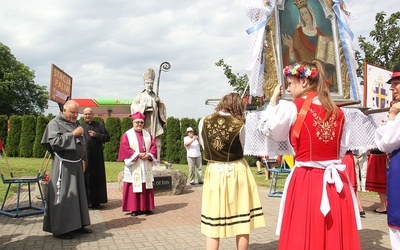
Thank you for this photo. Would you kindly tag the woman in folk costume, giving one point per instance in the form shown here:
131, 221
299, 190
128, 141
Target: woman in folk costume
138, 151
376, 177
349, 161
230, 204
318, 207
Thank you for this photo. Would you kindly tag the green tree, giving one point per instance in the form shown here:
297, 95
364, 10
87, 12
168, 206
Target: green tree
173, 140
19, 95
126, 124
111, 148
98, 119
38, 149
163, 153
14, 136
3, 128
27, 139
237, 81
384, 51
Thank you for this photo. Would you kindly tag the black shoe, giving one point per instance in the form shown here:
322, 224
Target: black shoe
379, 212
192, 183
135, 213
362, 214
83, 230
66, 236
201, 183
259, 173
148, 212
97, 206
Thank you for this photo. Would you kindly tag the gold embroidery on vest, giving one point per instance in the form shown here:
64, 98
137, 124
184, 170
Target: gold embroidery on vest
219, 132
324, 129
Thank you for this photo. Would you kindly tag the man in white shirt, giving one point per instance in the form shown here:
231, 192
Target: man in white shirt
192, 146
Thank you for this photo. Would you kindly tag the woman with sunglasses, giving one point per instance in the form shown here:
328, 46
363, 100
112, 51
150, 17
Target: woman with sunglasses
138, 150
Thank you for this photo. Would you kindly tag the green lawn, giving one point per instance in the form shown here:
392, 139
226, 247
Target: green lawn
31, 166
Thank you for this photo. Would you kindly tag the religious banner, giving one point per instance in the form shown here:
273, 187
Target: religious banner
377, 94
293, 31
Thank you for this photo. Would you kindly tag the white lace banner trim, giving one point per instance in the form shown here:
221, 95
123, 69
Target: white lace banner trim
362, 134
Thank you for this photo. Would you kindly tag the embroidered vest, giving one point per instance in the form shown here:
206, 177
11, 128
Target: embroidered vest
221, 138
319, 140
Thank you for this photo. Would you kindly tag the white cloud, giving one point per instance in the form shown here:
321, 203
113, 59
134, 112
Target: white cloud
106, 45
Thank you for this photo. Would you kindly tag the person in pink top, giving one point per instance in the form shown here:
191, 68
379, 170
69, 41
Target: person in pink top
138, 150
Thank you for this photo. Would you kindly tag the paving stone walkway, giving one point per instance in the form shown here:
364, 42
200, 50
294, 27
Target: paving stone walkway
175, 224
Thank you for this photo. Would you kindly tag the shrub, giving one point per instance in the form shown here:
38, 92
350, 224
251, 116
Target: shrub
111, 148
126, 124
98, 119
3, 128
14, 136
41, 123
173, 140
28, 132
163, 154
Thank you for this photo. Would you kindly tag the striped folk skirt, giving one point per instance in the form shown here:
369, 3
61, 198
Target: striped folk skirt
231, 204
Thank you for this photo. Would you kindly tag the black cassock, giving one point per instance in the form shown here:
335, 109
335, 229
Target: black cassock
95, 174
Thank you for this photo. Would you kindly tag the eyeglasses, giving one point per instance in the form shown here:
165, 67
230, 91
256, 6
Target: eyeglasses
139, 122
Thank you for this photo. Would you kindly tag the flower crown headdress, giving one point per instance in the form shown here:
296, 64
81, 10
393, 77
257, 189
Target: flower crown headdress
300, 71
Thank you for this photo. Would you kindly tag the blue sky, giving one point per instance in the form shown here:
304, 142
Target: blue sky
106, 45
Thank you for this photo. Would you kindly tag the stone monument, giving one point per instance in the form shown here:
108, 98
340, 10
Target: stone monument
150, 104
167, 181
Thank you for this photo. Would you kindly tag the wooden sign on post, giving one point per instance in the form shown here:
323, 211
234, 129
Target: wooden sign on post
60, 86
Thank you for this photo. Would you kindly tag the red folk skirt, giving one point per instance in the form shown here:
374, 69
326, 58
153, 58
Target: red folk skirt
348, 160
303, 224
376, 172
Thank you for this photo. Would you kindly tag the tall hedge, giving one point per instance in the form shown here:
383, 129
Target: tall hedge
126, 124
3, 128
28, 132
163, 153
41, 123
173, 140
113, 126
201, 148
98, 119
14, 136
16, 141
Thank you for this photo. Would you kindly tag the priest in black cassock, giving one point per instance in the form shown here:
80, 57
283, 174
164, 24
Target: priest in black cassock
95, 173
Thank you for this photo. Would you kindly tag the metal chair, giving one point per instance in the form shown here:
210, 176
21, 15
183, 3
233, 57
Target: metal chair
276, 167
17, 210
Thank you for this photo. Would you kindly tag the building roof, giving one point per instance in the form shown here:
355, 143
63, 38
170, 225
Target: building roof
111, 107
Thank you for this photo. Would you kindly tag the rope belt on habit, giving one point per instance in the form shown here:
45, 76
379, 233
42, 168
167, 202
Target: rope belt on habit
59, 174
